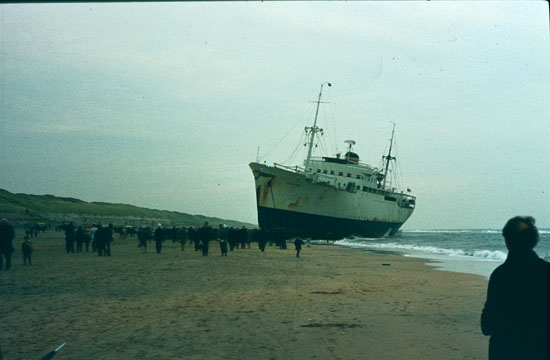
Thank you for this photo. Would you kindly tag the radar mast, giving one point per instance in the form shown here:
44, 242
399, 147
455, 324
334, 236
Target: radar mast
314, 129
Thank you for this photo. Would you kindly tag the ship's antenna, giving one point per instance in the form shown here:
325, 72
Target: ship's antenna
388, 158
314, 129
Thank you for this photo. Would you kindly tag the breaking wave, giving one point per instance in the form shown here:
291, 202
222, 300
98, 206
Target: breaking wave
480, 254
466, 231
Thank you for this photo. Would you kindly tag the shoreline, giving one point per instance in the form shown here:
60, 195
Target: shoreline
457, 264
332, 303
443, 262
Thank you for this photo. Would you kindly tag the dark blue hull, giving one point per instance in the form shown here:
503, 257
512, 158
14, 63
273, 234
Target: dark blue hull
322, 227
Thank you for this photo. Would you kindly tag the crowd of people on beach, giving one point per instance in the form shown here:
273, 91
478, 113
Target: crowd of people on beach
98, 238
228, 238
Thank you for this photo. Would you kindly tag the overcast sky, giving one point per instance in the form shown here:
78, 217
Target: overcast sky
164, 105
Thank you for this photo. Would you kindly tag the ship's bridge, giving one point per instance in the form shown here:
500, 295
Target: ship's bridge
348, 167
336, 170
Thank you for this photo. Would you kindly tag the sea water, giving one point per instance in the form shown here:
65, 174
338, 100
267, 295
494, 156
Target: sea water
469, 251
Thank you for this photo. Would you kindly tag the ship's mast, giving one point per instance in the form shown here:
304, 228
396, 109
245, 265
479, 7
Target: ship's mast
314, 129
388, 158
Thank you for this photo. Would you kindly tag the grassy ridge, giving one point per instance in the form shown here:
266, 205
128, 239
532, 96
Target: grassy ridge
49, 206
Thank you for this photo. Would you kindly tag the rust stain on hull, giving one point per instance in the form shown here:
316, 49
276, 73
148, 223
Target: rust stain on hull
294, 205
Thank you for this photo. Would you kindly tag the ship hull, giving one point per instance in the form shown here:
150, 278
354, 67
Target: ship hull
287, 200
319, 226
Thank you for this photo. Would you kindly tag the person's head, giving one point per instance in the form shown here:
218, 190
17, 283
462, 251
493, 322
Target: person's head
520, 233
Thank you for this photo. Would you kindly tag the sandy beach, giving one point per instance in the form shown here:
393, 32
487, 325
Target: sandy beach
332, 303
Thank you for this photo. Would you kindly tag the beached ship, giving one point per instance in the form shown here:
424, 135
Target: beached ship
330, 197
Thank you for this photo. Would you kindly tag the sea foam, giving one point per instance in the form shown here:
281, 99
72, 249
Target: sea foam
481, 254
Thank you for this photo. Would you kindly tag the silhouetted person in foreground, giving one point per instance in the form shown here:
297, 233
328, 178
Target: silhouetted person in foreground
516, 312
7, 234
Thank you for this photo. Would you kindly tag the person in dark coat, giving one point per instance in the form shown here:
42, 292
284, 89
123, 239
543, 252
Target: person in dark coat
7, 234
183, 237
80, 236
143, 234
517, 311
99, 239
298, 244
194, 237
108, 239
222, 235
205, 236
159, 238
242, 233
262, 239
69, 238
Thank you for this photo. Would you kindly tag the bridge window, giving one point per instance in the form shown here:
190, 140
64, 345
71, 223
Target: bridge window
318, 170
340, 173
331, 172
349, 174
325, 171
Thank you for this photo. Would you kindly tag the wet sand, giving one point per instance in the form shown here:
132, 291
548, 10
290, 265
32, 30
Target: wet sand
332, 303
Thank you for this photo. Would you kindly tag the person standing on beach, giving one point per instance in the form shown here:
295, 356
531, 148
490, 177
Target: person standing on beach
262, 239
298, 244
183, 237
143, 235
223, 246
517, 311
205, 236
159, 238
26, 248
80, 237
108, 239
99, 238
69, 238
242, 237
86, 240
7, 234
194, 237
92, 237
222, 235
